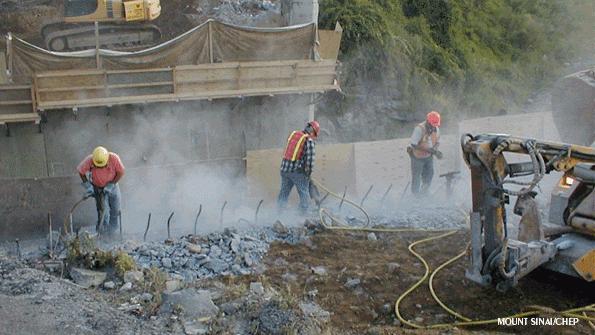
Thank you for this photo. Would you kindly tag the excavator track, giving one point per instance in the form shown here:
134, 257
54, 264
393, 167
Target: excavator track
76, 36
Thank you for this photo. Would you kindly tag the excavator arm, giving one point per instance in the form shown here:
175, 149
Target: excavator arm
496, 257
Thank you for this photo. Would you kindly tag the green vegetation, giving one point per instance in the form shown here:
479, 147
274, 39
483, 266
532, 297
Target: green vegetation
463, 56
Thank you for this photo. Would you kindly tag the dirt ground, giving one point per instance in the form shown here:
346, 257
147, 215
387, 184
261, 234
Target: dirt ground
355, 311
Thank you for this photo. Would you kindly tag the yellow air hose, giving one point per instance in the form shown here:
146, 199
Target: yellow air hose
580, 312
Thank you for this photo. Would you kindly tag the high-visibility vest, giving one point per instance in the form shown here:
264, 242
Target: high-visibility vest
295, 146
434, 138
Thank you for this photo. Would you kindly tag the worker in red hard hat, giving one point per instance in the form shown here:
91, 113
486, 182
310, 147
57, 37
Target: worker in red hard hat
423, 147
297, 164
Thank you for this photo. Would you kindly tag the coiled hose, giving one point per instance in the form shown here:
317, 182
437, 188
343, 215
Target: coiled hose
580, 312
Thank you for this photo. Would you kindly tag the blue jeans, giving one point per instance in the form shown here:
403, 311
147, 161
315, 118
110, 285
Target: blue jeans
422, 172
302, 184
110, 203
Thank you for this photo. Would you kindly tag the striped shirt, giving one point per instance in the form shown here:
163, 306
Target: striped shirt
306, 163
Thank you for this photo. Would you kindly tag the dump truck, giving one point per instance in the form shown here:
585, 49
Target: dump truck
121, 25
567, 245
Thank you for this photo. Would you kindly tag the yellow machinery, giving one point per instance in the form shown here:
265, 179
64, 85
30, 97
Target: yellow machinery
569, 245
121, 25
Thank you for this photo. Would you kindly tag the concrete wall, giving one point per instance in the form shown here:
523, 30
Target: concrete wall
355, 165
177, 155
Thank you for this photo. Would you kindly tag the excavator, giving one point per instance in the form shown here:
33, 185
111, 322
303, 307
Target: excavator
121, 25
567, 245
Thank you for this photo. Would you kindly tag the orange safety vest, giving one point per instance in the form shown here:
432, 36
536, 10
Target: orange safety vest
295, 146
434, 138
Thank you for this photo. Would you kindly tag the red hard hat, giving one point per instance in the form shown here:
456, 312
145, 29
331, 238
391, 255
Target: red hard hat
315, 126
433, 119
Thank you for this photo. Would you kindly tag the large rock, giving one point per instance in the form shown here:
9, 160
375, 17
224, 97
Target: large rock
134, 276
280, 229
87, 278
194, 304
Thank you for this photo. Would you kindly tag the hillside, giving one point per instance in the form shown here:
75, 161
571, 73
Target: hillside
466, 58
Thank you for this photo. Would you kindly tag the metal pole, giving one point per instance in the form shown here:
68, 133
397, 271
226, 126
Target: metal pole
257, 210
210, 37
97, 58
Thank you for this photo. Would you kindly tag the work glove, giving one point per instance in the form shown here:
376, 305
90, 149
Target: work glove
88, 189
436, 153
109, 188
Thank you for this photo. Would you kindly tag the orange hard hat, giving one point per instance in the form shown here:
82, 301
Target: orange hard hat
433, 119
315, 126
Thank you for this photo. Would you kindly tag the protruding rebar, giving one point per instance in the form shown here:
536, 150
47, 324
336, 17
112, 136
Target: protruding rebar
197, 215
343, 197
257, 210
16, 240
221, 214
147, 229
366, 195
385, 195
168, 225
405, 191
51, 251
120, 219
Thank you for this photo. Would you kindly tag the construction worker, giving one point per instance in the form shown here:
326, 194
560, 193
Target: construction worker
100, 172
297, 164
424, 145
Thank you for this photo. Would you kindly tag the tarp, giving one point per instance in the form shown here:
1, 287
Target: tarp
211, 41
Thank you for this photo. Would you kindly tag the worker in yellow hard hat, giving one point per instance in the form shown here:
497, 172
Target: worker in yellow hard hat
423, 147
100, 172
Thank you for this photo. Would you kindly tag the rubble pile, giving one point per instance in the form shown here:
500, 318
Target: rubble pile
425, 218
231, 252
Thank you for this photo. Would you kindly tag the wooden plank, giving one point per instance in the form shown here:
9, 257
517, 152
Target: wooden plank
15, 102
71, 89
137, 85
46, 105
68, 73
15, 87
15, 118
164, 69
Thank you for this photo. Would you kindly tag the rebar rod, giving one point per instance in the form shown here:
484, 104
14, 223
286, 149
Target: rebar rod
257, 210
385, 195
221, 213
51, 251
168, 225
147, 229
343, 198
120, 220
366, 195
197, 215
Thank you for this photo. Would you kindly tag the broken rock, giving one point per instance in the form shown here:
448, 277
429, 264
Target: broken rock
133, 276
126, 287
257, 288
109, 285
172, 285
87, 278
319, 270
195, 304
279, 228
193, 248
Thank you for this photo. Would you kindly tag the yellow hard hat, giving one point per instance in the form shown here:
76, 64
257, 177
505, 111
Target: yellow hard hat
100, 157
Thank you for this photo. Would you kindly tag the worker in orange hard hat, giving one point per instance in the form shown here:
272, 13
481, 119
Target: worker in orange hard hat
298, 163
100, 172
423, 147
